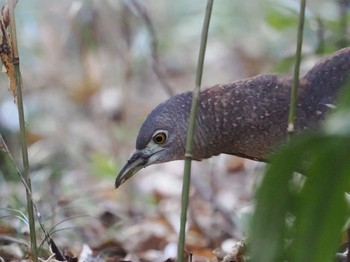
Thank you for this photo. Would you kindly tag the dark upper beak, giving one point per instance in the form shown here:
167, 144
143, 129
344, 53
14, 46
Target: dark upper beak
136, 162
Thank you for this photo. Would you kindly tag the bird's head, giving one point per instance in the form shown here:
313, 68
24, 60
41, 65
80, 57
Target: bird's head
161, 137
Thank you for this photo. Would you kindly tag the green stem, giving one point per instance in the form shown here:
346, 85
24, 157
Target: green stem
22, 126
294, 91
190, 134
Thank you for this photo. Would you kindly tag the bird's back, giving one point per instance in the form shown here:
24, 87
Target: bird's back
320, 87
246, 117
249, 117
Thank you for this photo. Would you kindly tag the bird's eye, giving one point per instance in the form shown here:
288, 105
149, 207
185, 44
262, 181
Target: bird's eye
160, 138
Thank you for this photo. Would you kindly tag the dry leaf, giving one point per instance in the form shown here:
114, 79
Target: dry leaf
6, 52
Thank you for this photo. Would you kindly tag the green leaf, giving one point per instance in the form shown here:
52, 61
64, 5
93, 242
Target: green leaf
312, 221
281, 18
269, 221
322, 207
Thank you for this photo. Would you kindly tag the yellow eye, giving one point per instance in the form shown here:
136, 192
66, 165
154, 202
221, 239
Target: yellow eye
160, 138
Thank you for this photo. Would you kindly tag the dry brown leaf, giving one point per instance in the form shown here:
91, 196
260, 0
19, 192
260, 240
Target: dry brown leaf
6, 229
5, 15
8, 68
234, 165
6, 52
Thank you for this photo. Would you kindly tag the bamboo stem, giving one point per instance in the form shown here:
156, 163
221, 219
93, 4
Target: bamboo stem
190, 134
294, 91
22, 126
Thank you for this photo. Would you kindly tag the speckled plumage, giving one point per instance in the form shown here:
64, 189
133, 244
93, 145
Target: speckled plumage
246, 118
232, 118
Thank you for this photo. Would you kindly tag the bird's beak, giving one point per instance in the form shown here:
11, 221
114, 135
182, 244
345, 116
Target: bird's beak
137, 161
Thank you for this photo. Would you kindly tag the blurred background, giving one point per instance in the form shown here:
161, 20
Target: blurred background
93, 70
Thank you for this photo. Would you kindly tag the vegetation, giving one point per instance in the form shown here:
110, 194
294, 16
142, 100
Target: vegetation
91, 72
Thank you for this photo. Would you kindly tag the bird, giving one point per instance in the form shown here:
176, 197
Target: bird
246, 118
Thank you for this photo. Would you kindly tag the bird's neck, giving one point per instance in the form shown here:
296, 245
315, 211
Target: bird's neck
247, 118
